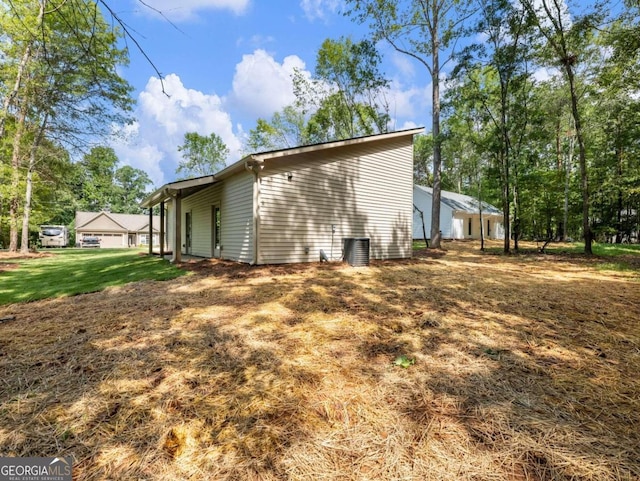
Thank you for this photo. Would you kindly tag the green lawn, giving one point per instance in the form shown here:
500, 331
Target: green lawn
76, 271
617, 257
598, 249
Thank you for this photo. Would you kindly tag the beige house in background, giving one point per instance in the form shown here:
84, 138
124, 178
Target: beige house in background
117, 230
296, 205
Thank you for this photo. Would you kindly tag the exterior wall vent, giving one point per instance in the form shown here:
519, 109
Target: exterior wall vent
356, 251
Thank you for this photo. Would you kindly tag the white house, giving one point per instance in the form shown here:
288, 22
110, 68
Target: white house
297, 205
459, 216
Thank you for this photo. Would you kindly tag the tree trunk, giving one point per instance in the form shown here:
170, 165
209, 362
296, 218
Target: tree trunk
437, 150
561, 229
14, 194
620, 206
582, 158
26, 57
29, 188
516, 215
24, 245
10, 99
567, 178
506, 205
480, 213
506, 165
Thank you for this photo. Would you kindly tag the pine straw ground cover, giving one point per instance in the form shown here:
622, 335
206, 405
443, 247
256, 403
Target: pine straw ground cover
519, 368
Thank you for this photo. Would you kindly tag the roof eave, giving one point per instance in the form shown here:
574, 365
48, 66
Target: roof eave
336, 144
170, 190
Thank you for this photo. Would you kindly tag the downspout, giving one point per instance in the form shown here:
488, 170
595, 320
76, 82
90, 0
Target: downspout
255, 166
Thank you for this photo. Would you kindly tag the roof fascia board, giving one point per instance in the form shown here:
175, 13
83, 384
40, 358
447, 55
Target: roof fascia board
336, 144
171, 189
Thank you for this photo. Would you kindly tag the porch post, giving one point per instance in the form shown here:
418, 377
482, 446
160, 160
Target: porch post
150, 231
162, 230
177, 245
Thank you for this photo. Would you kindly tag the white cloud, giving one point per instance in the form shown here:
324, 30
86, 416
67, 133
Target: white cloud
403, 64
545, 74
558, 9
319, 9
261, 85
187, 9
163, 119
409, 125
255, 41
409, 102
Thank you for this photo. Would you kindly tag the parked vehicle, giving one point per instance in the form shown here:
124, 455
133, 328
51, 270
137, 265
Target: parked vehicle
90, 241
53, 236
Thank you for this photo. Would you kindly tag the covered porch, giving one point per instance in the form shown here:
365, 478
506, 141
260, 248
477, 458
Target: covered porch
172, 194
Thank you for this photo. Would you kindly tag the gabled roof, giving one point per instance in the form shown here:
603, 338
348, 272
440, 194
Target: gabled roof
189, 186
128, 222
460, 202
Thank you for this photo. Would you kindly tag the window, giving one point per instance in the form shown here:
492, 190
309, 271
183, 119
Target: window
216, 227
488, 227
144, 239
469, 226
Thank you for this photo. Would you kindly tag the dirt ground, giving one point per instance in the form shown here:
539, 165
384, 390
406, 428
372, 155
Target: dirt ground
516, 368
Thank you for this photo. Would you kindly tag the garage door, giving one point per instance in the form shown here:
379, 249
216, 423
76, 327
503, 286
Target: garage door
111, 240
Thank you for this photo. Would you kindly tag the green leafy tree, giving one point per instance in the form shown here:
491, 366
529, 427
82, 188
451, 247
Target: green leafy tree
201, 155
286, 129
355, 104
61, 62
131, 187
567, 40
496, 78
422, 30
102, 184
96, 171
345, 98
616, 163
422, 160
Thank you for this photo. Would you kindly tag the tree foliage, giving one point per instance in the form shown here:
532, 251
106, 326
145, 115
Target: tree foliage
423, 31
345, 98
59, 84
102, 184
549, 98
201, 155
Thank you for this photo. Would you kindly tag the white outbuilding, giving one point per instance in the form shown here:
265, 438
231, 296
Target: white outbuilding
460, 216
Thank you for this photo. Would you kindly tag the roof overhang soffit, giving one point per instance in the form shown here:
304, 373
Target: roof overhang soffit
183, 188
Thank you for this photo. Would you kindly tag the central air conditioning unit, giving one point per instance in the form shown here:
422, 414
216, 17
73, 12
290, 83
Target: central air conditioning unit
356, 251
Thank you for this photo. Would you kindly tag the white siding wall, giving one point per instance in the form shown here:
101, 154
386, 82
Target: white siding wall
457, 231
235, 198
237, 218
199, 206
363, 190
424, 201
497, 232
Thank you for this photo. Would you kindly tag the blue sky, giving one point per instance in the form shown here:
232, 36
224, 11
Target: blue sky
226, 63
